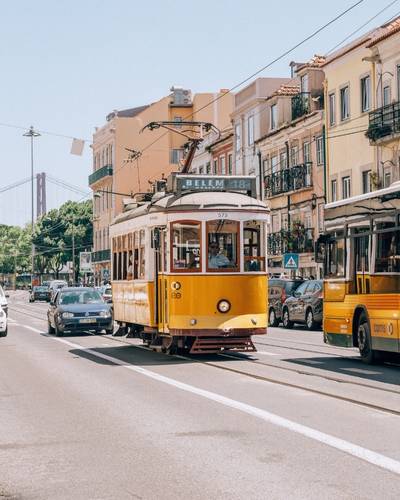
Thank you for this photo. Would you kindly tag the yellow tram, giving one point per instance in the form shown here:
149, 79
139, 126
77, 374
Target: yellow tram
189, 266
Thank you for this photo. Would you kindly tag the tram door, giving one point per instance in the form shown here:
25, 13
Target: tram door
162, 288
362, 264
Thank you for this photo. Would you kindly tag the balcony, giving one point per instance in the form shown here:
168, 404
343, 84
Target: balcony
297, 240
301, 105
288, 179
100, 173
101, 256
384, 122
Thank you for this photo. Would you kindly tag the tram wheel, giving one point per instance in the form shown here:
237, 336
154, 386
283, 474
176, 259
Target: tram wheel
368, 355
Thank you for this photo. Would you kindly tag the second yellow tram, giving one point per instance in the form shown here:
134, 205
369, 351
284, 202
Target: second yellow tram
189, 265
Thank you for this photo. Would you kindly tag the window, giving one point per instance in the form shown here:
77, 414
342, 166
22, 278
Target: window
387, 248
215, 167
398, 81
306, 152
335, 256
365, 93
344, 103
275, 223
208, 167
237, 138
252, 248
201, 170
334, 190
250, 130
387, 177
222, 245
332, 109
185, 243
283, 160
366, 181
274, 164
319, 141
230, 171
294, 156
176, 156
304, 83
321, 218
222, 165
386, 95
142, 255
346, 191
274, 116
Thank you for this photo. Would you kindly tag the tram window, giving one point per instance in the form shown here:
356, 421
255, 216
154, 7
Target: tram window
252, 247
115, 259
362, 254
135, 255
222, 245
387, 249
186, 254
141, 254
335, 256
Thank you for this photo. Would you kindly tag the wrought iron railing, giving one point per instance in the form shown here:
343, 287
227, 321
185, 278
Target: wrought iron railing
298, 240
100, 173
101, 255
384, 121
288, 179
301, 104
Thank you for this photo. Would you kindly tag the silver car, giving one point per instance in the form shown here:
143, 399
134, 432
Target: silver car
304, 306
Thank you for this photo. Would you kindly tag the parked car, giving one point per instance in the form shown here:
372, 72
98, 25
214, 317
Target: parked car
304, 306
79, 309
3, 324
106, 292
3, 300
278, 291
40, 293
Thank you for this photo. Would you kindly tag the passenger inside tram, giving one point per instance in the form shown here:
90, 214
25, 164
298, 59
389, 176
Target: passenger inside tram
216, 259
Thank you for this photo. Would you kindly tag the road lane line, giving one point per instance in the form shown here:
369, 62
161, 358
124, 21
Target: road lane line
33, 329
352, 449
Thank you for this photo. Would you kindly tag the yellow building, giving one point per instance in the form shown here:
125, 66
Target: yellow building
115, 175
361, 103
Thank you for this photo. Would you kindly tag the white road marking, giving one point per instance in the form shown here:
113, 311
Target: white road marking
352, 449
32, 329
266, 353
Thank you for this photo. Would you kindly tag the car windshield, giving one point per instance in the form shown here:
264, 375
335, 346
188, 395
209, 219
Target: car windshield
81, 297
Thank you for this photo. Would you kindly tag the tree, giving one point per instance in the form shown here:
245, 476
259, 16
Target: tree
15, 249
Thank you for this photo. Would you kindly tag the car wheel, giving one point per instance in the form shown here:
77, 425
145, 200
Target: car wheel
110, 331
368, 355
310, 323
286, 319
272, 320
57, 331
50, 329
4, 334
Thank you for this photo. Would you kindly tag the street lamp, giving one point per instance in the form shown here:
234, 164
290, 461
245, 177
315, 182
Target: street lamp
32, 133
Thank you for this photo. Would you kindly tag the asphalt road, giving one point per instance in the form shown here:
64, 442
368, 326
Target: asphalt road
95, 417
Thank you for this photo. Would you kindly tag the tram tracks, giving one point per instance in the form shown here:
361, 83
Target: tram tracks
269, 379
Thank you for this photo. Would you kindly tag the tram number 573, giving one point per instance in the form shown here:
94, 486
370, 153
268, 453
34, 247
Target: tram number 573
222, 215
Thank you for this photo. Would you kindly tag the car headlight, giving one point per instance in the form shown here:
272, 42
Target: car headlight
105, 314
223, 306
67, 315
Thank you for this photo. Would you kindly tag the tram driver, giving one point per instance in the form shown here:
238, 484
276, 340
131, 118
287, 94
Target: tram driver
216, 259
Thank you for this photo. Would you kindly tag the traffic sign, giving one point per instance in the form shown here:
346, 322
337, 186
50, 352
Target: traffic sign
291, 260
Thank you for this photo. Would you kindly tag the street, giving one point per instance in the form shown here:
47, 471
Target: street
100, 417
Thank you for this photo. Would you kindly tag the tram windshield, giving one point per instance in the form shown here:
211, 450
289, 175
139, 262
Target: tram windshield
186, 252
222, 245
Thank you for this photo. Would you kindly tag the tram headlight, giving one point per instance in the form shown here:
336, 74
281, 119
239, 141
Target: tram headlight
223, 306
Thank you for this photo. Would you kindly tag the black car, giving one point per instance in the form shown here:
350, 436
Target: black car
39, 293
278, 291
304, 306
79, 309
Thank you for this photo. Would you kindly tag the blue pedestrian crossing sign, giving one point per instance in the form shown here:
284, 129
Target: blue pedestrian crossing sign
291, 260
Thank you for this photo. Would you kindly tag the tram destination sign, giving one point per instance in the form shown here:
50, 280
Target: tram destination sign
192, 182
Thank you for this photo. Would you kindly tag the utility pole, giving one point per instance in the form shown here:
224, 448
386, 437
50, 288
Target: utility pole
32, 133
73, 251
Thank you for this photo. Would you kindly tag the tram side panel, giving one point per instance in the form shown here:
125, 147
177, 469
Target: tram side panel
134, 302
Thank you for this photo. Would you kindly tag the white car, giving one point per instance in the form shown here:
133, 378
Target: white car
3, 300
3, 323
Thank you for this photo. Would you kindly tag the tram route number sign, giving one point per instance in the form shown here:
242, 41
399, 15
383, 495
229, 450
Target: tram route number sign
215, 183
291, 260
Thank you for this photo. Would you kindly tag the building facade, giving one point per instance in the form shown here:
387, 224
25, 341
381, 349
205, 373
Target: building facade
292, 156
127, 159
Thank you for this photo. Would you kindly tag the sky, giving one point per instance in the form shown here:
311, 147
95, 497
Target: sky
65, 65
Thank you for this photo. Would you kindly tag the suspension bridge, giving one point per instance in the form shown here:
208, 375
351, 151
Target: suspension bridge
49, 192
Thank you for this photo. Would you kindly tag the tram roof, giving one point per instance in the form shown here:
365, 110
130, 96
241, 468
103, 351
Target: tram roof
379, 201
194, 201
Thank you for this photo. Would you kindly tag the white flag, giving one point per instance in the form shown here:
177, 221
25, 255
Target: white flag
77, 147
